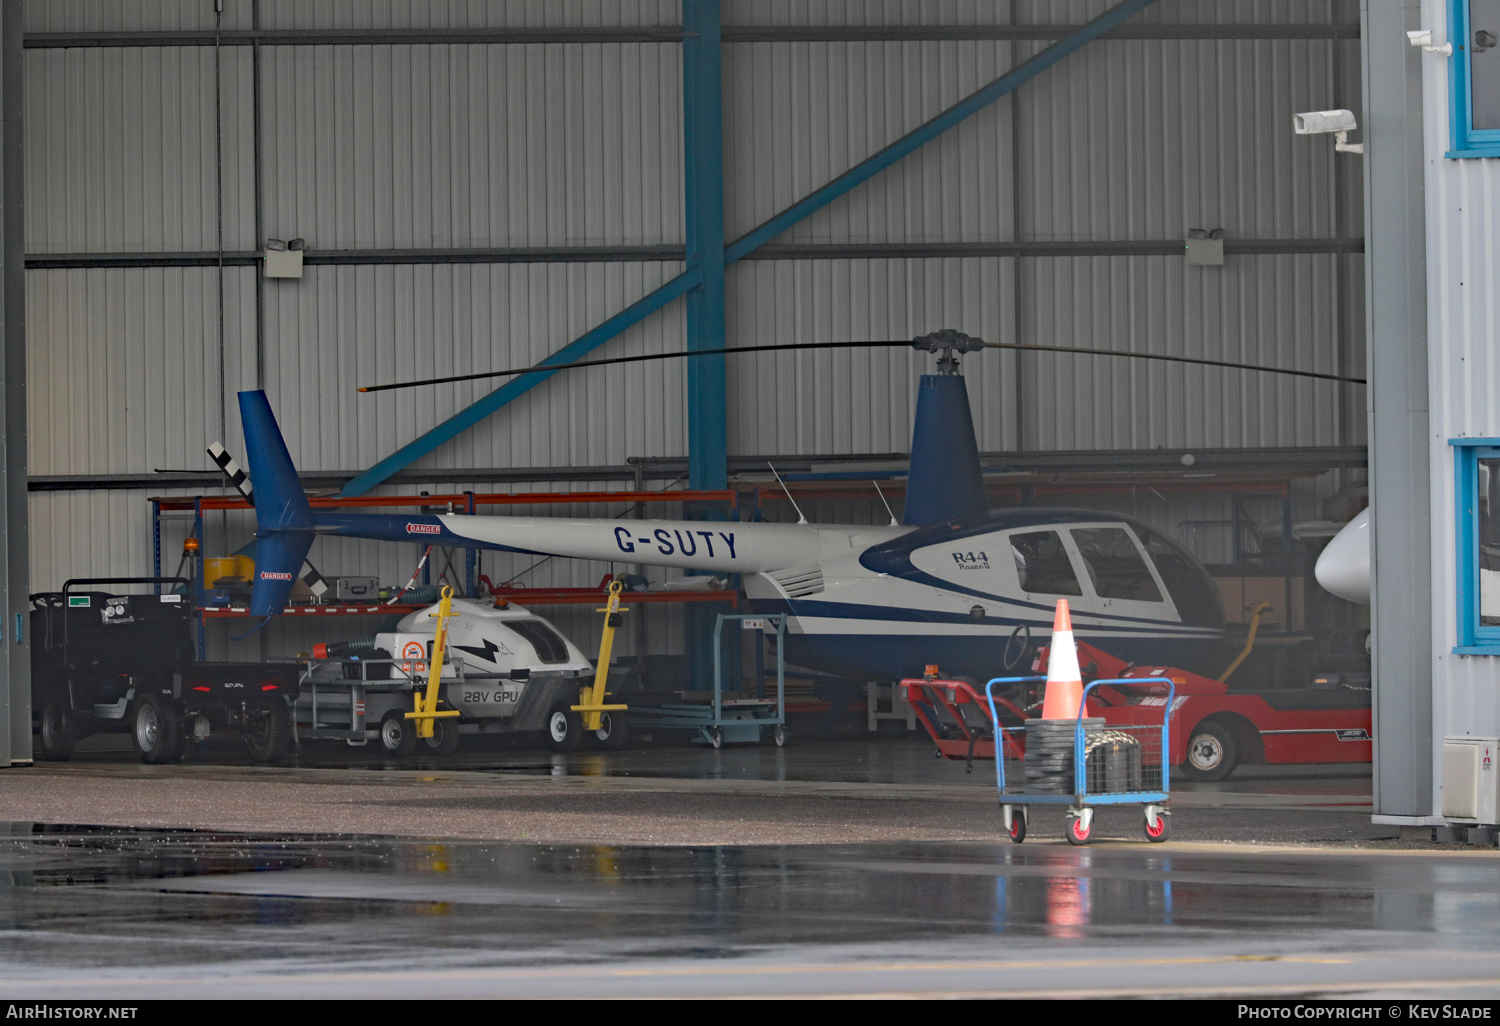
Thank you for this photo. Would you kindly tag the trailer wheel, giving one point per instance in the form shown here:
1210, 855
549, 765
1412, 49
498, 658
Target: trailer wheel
444, 739
564, 728
1076, 832
154, 731
1211, 752
1018, 824
398, 735
59, 735
613, 731
269, 733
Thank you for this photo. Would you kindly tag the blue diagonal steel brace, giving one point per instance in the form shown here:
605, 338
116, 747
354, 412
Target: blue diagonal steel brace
474, 413
912, 141
747, 244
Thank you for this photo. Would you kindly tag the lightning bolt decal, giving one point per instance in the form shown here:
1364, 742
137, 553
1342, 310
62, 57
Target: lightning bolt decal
487, 653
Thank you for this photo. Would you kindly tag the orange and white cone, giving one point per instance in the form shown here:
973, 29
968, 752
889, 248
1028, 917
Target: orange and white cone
1064, 682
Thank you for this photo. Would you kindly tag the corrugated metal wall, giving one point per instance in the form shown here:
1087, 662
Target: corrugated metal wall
416, 146
1463, 219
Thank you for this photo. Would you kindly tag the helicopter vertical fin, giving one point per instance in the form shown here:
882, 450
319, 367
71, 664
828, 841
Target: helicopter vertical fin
945, 481
280, 503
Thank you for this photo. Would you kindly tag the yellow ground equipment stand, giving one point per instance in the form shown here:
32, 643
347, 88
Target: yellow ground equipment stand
427, 709
591, 700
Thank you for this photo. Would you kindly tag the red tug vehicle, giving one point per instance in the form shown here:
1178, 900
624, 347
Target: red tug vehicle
1213, 729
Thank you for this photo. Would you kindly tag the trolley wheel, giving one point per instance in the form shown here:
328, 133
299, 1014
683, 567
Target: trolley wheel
1076, 832
716, 737
398, 735
1158, 824
1018, 824
778, 734
937, 753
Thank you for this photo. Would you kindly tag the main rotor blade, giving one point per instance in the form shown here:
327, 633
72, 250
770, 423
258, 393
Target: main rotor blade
785, 347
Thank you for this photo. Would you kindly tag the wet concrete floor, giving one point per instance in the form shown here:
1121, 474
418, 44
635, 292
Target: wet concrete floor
843, 868
98, 914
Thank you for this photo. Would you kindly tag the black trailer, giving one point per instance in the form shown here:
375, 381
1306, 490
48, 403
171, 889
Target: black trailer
103, 661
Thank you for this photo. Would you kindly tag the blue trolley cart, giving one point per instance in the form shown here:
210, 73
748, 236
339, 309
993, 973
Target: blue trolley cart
1119, 764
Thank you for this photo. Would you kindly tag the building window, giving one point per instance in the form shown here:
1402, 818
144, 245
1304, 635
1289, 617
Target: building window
1477, 477
1475, 66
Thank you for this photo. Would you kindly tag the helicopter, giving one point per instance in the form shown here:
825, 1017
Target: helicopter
953, 582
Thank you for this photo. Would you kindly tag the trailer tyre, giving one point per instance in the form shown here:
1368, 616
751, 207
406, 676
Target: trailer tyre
154, 731
564, 729
444, 739
398, 735
58, 732
613, 731
1211, 752
268, 736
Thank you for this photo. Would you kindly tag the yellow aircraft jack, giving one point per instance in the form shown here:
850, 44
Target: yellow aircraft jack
591, 700
427, 701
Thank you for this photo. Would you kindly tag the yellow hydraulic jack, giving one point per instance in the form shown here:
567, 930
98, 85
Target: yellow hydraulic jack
591, 701
427, 709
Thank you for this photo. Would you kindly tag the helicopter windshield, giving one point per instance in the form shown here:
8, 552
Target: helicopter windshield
1194, 595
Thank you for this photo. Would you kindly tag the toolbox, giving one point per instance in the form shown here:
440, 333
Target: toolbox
355, 589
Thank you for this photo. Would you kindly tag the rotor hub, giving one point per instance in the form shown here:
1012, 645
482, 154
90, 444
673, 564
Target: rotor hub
947, 343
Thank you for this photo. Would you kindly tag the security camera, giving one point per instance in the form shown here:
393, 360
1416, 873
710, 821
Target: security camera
1319, 121
1339, 122
1423, 38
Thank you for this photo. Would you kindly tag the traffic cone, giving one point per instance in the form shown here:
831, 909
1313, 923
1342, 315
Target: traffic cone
1064, 682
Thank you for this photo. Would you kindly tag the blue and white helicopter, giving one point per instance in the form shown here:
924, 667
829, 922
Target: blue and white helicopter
953, 583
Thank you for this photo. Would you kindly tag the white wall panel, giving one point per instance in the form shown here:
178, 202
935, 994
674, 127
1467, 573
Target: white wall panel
860, 400
1264, 310
123, 366
438, 146
363, 14
342, 327
120, 150
799, 114
133, 15
1463, 338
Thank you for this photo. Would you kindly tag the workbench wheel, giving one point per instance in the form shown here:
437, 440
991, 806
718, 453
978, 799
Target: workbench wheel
716, 737
1076, 832
778, 734
154, 731
268, 735
1158, 824
58, 732
444, 739
398, 735
1018, 824
564, 728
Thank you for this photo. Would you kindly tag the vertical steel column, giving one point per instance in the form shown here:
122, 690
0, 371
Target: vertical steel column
703, 167
15, 714
1396, 347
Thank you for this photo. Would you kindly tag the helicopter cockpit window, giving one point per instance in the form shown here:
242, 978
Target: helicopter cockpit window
1043, 565
1115, 564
